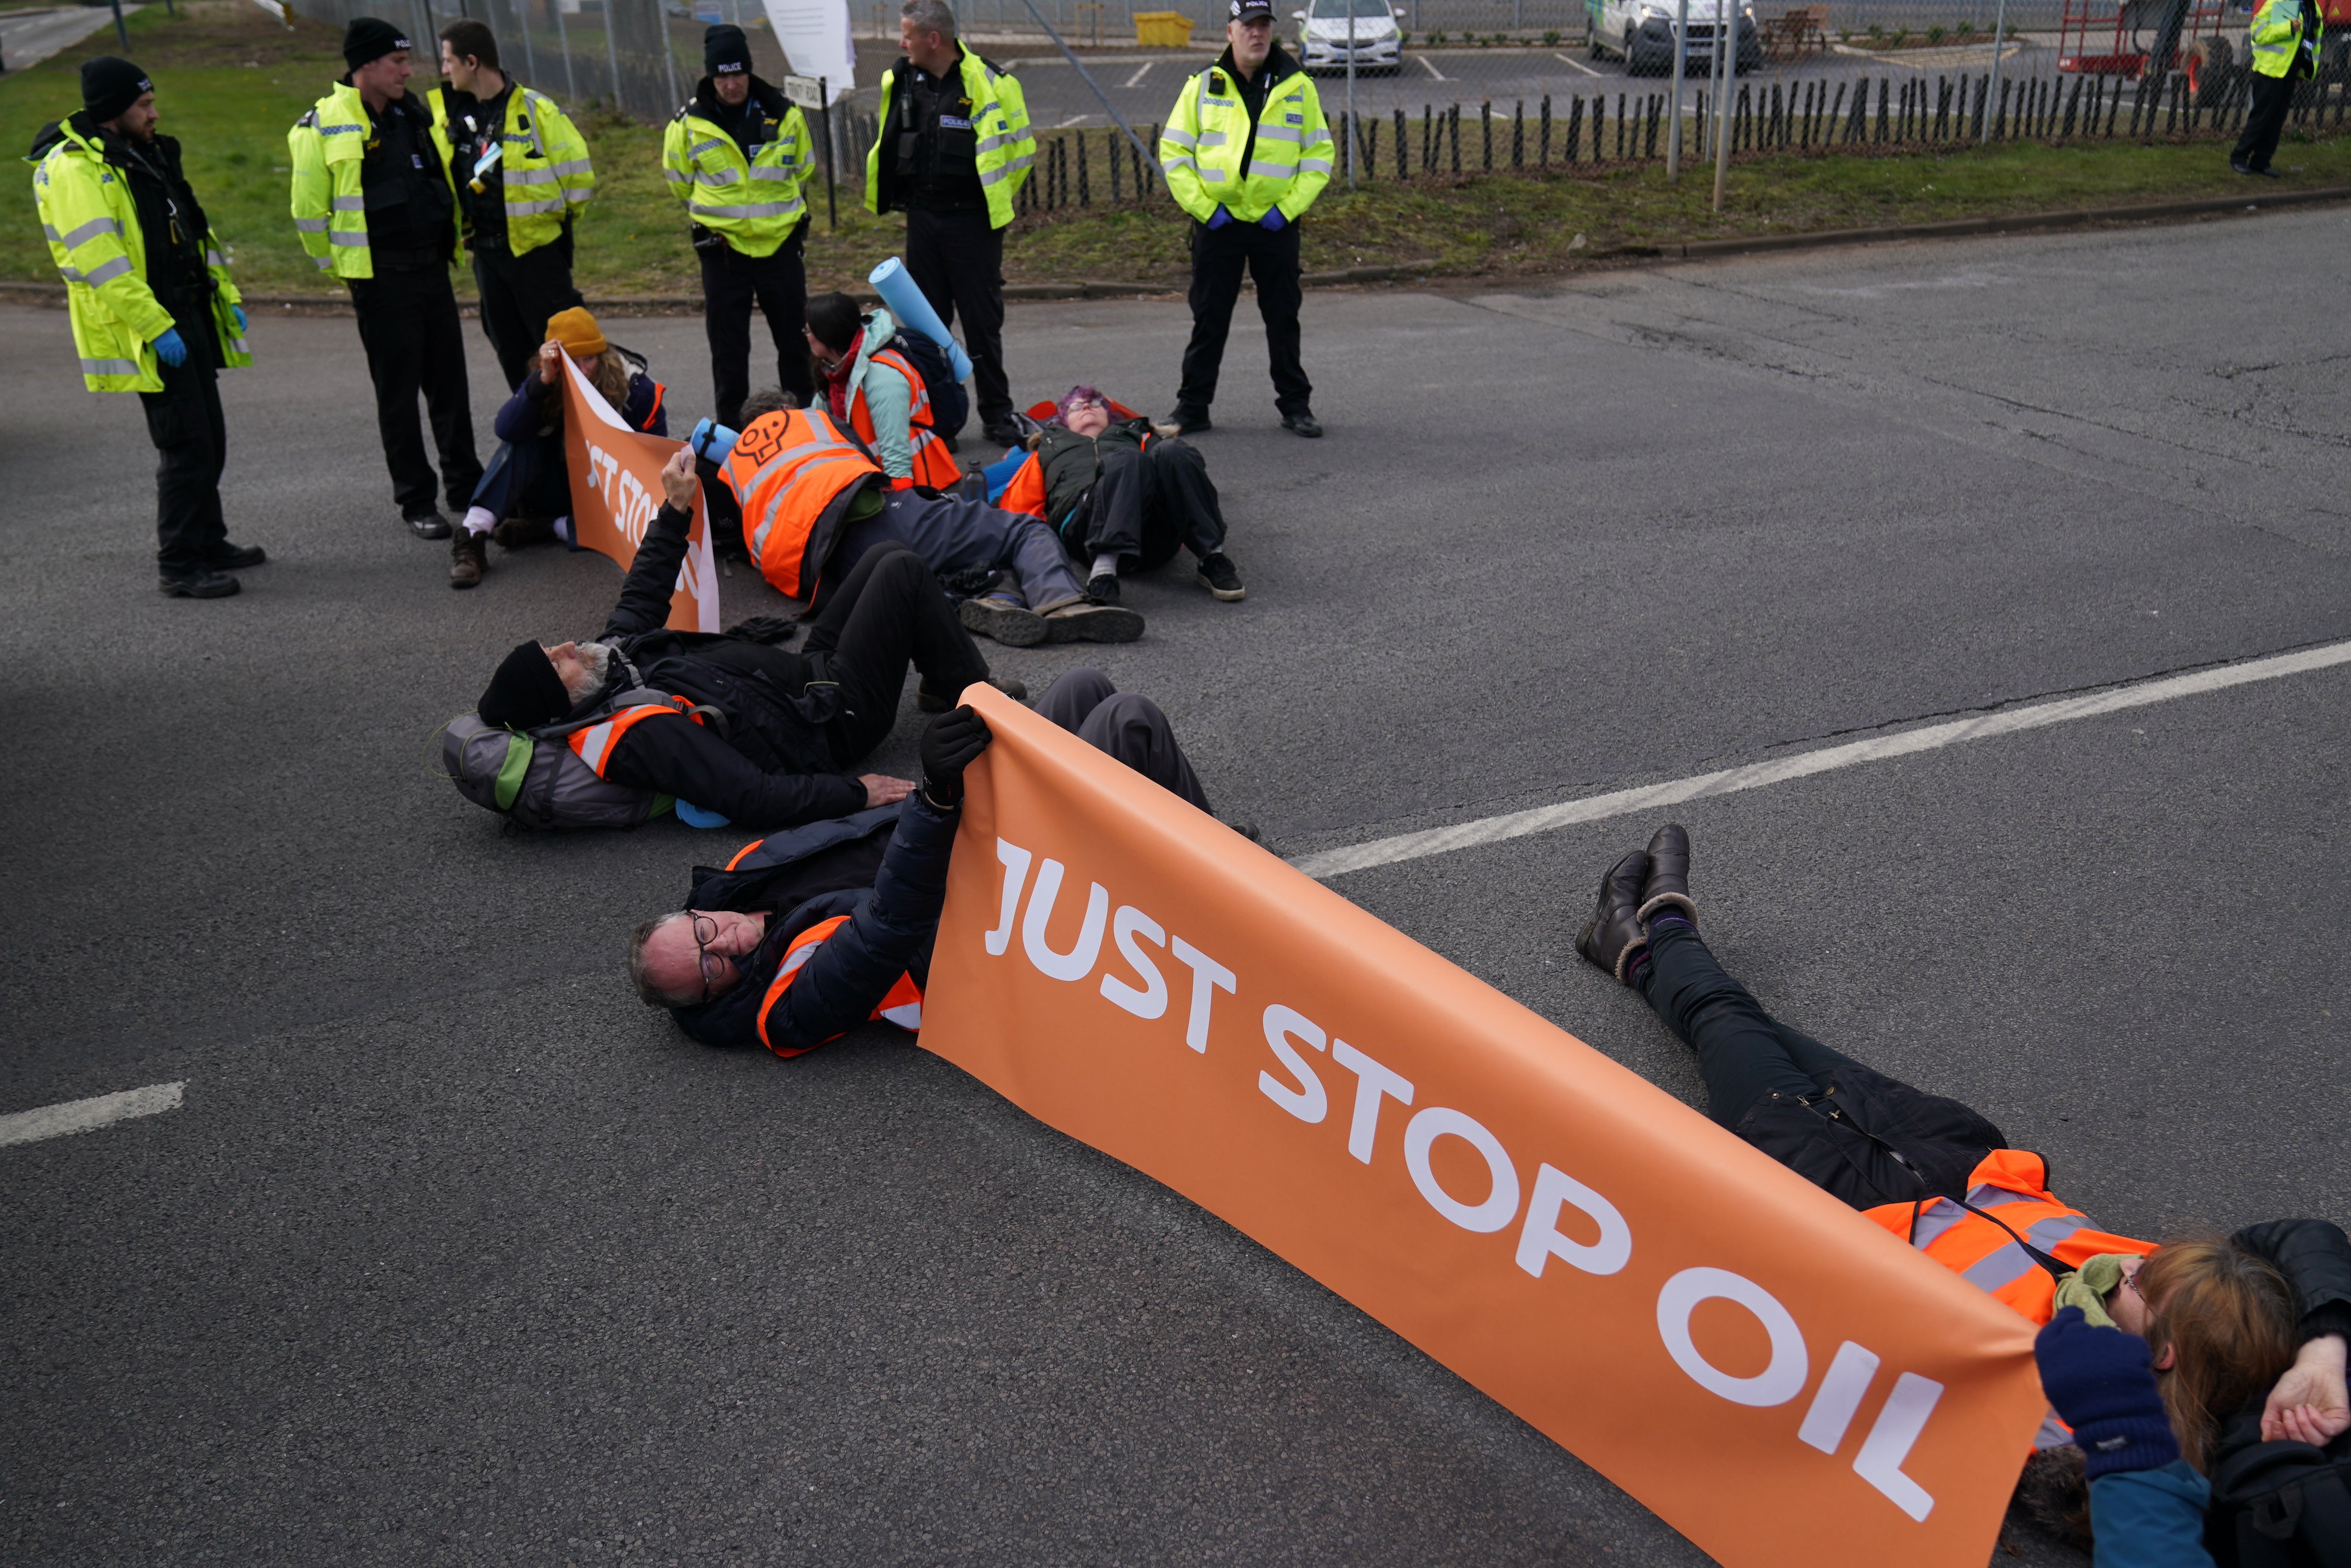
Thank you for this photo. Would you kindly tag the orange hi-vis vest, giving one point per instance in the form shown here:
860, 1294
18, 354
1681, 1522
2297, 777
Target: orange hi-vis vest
594, 745
901, 1005
786, 471
2009, 1209
933, 464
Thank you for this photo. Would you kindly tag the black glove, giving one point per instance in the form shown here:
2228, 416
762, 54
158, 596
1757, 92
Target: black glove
948, 746
2099, 1381
774, 630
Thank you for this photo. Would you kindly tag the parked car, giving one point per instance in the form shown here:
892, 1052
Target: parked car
1323, 35
1641, 34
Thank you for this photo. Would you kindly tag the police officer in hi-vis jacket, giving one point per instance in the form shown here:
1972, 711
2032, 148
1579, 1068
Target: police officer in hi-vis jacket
1245, 151
153, 310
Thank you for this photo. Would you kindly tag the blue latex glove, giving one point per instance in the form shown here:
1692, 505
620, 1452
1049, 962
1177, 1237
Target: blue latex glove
695, 816
1273, 221
2098, 1382
711, 439
170, 349
238, 311
1219, 218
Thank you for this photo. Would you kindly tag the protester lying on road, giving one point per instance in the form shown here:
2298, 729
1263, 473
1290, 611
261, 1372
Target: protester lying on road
2266, 1310
811, 496
799, 940
868, 381
762, 734
2145, 1502
1123, 494
525, 495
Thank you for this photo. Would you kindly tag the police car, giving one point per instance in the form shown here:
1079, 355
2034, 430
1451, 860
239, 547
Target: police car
1641, 32
1323, 35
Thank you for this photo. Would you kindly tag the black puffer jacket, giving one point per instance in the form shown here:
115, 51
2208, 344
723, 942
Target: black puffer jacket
892, 925
773, 764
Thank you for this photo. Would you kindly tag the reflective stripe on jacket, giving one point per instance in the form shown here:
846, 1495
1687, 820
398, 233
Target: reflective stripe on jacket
91, 223
594, 745
327, 147
2281, 46
932, 463
754, 202
1987, 1249
901, 1005
1004, 147
788, 471
542, 161
1208, 132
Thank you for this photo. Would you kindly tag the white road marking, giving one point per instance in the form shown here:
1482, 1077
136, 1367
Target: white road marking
87, 1115
1579, 64
1804, 764
1140, 72
1431, 69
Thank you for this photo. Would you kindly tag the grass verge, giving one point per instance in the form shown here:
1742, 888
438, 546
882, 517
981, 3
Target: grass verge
231, 81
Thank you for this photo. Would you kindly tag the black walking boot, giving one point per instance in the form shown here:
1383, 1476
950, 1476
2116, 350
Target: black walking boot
427, 523
227, 557
1613, 937
1668, 885
195, 582
1303, 423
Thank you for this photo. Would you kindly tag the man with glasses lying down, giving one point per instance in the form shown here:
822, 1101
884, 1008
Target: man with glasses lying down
807, 934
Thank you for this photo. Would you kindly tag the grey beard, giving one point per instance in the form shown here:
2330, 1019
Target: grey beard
596, 659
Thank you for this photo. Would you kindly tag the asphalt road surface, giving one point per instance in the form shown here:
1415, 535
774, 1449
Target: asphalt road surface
455, 1251
29, 37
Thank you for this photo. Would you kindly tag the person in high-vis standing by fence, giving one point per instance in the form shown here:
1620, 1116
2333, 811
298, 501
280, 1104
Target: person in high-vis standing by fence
373, 206
951, 147
2283, 39
520, 172
153, 311
738, 157
1245, 151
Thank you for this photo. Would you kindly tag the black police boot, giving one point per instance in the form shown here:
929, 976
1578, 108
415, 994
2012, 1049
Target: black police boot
227, 557
1304, 424
1613, 937
427, 523
1188, 421
196, 583
1668, 885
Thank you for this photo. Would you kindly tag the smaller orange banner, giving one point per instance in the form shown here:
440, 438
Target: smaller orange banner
616, 489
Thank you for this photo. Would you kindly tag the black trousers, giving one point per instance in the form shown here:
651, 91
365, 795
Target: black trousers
2264, 121
1147, 505
1125, 726
408, 321
1219, 256
191, 441
519, 293
731, 283
956, 259
888, 613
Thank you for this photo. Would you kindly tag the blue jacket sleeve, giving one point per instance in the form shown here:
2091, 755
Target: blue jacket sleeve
840, 987
524, 415
2150, 1519
652, 578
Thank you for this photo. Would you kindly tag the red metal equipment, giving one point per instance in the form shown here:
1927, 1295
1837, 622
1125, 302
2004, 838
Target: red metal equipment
2116, 38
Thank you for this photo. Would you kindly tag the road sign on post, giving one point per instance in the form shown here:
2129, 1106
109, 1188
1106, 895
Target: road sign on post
808, 92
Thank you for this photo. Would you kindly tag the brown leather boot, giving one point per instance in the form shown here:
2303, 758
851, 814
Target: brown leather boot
469, 557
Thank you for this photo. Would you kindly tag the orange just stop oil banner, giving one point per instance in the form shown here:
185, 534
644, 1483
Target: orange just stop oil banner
1775, 1375
616, 491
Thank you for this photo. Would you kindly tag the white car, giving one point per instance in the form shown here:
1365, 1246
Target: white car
1641, 32
1323, 35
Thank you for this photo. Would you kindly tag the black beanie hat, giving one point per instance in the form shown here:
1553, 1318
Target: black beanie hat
367, 40
526, 692
724, 50
109, 86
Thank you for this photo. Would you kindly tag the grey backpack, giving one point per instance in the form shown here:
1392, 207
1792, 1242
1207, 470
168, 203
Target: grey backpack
537, 781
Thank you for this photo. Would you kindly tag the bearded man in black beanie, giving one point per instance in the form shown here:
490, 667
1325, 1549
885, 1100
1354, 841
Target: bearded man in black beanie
153, 309
738, 158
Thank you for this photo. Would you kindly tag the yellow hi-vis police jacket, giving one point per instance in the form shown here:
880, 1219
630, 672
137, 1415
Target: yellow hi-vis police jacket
2281, 45
542, 159
91, 222
1213, 153
755, 202
994, 112
328, 145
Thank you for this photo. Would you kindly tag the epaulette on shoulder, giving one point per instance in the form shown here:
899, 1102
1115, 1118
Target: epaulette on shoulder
683, 111
993, 69
309, 118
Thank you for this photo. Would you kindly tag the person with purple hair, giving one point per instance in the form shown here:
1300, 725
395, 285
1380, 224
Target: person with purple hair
1123, 494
